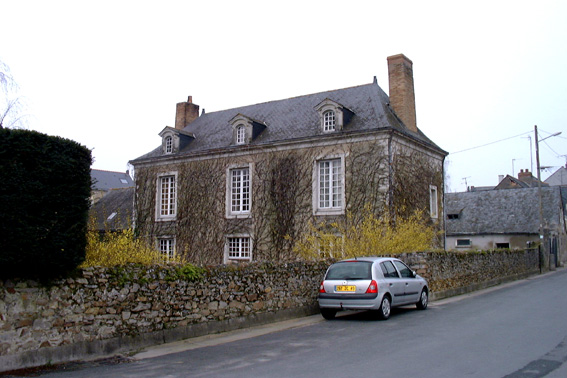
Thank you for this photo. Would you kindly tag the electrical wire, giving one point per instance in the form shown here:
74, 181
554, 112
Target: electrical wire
488, 144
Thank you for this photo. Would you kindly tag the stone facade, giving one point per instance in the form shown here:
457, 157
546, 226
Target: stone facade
245, 183
104, 311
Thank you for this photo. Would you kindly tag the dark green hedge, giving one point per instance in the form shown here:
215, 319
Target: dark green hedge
45, 185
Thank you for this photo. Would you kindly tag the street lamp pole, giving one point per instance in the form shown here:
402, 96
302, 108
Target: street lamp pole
545, 259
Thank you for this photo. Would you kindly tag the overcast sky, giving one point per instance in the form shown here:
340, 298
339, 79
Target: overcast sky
108, 74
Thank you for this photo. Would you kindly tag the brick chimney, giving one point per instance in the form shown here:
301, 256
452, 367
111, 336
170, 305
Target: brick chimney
186, 113
522, 175
402, 97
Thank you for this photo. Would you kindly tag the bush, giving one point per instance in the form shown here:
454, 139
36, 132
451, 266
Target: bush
118, 248
370, 237
44, 202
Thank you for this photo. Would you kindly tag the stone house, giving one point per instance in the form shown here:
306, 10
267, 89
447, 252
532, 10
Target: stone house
114, 211
104, 181
245, 183
493, 219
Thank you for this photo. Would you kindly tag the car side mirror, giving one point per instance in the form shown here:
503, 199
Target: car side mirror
413, 274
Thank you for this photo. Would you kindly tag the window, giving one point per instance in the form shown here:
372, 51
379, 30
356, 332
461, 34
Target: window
433, 209
350, 270
240, 134
167, 248
452, 216
463, 242
168, 145
239, 248
330, 184
240, 190
503, 245
389, 270
329, 121
167, 195
403, 269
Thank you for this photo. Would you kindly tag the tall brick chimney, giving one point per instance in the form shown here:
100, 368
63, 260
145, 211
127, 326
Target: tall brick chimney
186, 113
402, 97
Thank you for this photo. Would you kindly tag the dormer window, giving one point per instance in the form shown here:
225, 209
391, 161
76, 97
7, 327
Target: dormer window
240, 134
245, 129
333, 116
168, 145
329, 120
173, 140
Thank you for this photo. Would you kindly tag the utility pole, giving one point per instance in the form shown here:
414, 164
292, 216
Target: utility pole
545, 260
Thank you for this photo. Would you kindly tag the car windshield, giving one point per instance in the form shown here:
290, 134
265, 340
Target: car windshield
350, 270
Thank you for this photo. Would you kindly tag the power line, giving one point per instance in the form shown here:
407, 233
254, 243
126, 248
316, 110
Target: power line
488, 144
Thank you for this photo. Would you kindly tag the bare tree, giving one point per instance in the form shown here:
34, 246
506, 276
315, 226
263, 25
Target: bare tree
11, 104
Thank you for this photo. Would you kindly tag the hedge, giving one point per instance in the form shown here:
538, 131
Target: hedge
45, 188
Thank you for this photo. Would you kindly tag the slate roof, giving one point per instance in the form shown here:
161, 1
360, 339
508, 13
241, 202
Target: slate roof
105, 180
510, 182
502, 211
295, 119
119, 202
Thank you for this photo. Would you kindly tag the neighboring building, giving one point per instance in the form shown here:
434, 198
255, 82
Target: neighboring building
493, 219
114, 211
525, 180
558, 178
245, 183
103, 181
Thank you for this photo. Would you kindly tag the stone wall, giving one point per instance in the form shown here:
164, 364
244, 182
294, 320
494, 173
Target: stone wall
104, 311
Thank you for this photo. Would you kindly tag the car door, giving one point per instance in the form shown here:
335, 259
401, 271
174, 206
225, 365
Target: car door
412, 286
395, 284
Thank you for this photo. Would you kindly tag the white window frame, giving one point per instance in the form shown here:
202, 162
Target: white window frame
239, 246
170, 210
329, 121
166, 247
169, 144
335, 203
239, 199
240, 134
433, 202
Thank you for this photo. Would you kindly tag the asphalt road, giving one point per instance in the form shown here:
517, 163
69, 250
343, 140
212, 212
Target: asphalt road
515, 330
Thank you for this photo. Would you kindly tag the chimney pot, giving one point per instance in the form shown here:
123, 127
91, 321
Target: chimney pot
402, 95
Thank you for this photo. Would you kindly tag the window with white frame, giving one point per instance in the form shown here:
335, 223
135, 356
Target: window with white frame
433, 207
167, 197
168, 145
330, 184
239, 248
329, 121
167, 248
240, 134
240, 190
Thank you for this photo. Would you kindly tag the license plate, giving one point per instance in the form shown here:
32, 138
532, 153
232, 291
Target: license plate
345, 288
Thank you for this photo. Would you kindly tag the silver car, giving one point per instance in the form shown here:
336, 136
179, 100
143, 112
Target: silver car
371, 283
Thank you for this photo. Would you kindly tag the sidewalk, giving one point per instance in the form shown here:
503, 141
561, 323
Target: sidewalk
225, 337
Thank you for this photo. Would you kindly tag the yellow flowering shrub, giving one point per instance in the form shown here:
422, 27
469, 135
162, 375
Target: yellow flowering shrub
370, 236
119, 248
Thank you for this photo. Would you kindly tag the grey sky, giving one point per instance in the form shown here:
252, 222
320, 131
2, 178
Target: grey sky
109, 73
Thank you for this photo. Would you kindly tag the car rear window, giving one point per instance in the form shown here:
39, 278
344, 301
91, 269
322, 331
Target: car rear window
350, 270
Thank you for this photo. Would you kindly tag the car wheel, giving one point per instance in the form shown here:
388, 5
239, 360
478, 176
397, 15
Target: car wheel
328, 314
423, 300
385, 308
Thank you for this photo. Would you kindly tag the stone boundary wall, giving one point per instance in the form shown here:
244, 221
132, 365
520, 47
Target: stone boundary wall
105, 311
